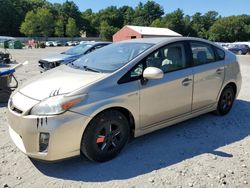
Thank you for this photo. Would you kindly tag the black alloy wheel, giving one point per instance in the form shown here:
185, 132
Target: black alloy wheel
109, 137
105, 136
226, 100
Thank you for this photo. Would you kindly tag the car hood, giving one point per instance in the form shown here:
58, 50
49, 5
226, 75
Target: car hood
59, 57
60, 80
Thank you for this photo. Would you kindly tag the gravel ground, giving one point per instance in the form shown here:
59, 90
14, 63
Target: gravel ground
208, 151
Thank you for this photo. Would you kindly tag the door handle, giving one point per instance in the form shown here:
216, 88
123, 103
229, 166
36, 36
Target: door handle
220, 70
187, 81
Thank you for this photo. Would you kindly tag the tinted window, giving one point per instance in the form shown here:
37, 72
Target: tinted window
202, 53
220, 53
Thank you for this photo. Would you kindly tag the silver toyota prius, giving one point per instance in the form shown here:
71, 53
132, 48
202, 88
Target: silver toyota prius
95, 104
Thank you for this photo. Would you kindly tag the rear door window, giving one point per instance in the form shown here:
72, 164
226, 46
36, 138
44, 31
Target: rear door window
202, 53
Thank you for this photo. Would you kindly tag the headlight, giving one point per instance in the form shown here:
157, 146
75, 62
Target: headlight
55, 105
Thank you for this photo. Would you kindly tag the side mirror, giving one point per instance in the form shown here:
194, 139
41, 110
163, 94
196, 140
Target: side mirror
153, 73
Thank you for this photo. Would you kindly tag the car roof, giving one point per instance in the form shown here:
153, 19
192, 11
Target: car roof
164, 40
158, 40
99, 42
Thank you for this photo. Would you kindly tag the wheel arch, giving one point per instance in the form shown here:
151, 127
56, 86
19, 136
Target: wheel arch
230, 83
127, 113
233, 85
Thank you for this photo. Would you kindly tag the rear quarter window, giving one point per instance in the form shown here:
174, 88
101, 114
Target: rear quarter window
220, 54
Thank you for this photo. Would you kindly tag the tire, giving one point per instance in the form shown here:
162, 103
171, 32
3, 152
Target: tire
226, 101
5, 95
105, 136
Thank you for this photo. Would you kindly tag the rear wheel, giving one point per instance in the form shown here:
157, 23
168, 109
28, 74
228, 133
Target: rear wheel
105, 136
226, 100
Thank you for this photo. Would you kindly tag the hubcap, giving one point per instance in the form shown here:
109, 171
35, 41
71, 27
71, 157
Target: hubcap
109, 137
227, 101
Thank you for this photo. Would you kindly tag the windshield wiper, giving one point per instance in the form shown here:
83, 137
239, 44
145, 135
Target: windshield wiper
90, 69
84, 67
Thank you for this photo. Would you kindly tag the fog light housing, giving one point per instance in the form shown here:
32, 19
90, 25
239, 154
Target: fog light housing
43, 142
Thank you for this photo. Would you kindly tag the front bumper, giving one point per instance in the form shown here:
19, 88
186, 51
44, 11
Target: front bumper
65, 134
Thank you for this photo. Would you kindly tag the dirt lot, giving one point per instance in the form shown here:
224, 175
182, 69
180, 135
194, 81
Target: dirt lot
208, 151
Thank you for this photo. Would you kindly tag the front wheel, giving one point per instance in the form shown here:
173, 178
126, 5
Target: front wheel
105, 136
226, 100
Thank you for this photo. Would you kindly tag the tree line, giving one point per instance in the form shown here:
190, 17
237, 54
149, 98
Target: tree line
39, 18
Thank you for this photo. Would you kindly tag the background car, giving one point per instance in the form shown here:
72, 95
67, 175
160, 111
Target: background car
49, 43
57, 43
72, 43
70, 55
126, 89
241, 49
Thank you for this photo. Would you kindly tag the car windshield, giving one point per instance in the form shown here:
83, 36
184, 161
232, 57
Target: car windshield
78, 50
111, 57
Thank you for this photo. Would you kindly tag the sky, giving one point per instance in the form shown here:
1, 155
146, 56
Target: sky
223, 7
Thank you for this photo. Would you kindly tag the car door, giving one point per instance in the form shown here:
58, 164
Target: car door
208, 69
170, 96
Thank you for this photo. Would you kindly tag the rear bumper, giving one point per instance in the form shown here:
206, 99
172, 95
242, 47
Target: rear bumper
65, 134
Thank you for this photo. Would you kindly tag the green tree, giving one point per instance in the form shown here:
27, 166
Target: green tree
107, 21
90, 28
188, 30
112, 16
175, 21
30, 25
46, 22
70, 10
35, 4
230, 29
67, 10
146, 13
59, 28
128, 14
107, 31
158, 23
202, 23
198, 25
39, 23
71, 28
11, 16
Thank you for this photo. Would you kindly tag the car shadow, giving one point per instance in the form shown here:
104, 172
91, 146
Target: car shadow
163, 148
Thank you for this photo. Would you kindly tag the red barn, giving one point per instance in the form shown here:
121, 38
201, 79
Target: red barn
132, 32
